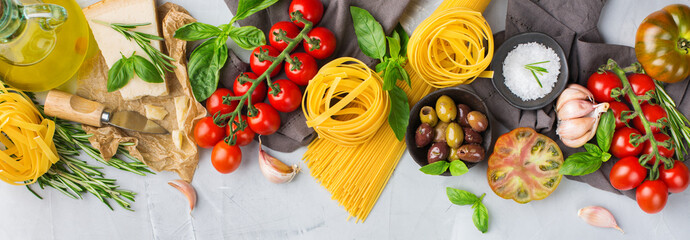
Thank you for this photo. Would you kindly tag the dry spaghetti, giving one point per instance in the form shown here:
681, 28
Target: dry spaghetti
27, 139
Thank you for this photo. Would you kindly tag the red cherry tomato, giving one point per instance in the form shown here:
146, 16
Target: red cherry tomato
627, 174
621, 146
326, 43
214, 103
259, 67
302, 73
207, 133
651, 196
618, 108
653, 113
259, 93
676, 178
659, 137
289, 98
312, 10
641, 84
601, 85
266, 121
226, 158
290, 29
242, 137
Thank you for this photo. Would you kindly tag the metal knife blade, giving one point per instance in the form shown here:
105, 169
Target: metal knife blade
135, 122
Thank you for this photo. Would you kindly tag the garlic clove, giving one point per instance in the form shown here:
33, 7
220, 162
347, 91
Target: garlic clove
575, 128
570, 94
575, 109
274, 170
582, 89
579, 142
185, 188
598, 217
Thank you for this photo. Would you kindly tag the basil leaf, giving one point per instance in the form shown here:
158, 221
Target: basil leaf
248, 37
246, 8
461, 197
381, 66
389, 76
607, 125
436, 168
458, 168
605, 156
581, 163
399, 115
370, 36
197, 31
592, 149
119, 74
393, 47
146, 70
404, 38
481, 218
404, 75
204, 63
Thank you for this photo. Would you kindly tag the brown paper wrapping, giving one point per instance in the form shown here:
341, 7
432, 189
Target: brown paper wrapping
156, 151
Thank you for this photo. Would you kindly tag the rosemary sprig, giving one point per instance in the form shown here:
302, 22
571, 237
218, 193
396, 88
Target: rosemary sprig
535, 69
677, 122
160, 60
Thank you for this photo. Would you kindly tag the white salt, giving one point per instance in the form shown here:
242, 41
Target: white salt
520, 80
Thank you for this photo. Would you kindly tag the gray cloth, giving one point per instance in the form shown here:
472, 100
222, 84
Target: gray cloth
294, 132
573, 24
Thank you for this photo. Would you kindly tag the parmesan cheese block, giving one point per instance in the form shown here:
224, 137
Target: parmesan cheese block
181, 110
177, 137
155, 112
113, 44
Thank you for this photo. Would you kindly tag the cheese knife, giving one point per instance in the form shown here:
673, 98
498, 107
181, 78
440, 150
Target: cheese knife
78, 109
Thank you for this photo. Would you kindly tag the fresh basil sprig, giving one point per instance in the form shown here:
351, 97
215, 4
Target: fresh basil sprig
208, 58
480, 217
124, 70
583, 163
456, 167
390, 50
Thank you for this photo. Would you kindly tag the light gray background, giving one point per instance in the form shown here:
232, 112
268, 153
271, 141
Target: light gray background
244, 205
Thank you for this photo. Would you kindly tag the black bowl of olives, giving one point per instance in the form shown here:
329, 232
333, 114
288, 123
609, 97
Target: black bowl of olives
449, 124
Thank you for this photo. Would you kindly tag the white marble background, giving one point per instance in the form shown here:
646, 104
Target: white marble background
243, 205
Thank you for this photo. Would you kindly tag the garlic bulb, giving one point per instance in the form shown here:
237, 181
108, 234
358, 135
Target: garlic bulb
273, 169
598, 217
186, 189
578, 115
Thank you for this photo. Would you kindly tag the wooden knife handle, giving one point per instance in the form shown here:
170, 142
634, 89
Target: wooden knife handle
73, 108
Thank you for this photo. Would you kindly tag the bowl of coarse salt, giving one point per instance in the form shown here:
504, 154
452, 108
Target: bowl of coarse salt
530, 70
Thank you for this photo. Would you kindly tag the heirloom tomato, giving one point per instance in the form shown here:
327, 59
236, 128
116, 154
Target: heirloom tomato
662, 43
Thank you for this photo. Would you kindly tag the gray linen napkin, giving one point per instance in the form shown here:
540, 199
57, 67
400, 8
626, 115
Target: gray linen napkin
573, 24
294, 132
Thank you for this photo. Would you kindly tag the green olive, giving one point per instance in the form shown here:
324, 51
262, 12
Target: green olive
454, 135
446, 109
428, 115
453, 155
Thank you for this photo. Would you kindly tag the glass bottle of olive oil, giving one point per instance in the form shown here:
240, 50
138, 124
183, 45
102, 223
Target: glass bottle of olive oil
42, 43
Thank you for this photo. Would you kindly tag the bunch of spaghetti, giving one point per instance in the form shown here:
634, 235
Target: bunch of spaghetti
356, 169
454, 45
28, 149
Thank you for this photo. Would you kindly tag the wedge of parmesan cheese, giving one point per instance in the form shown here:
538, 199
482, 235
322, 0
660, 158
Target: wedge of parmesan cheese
155, 112
113, 44
181, 110
177, 137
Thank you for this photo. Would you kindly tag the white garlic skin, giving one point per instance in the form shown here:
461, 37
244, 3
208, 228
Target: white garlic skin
578, 115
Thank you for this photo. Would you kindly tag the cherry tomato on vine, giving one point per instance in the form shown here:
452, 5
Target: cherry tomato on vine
627, 173
266, 121
312, 10
291, 31
214, 103
242, 137
326, 43
207, 133
601, 85
676, 178
665, 152
289, 98
653, 113
618, 108
651, 196
620, 144
226, 158
303, 72
641, 84
259, 93
259, 67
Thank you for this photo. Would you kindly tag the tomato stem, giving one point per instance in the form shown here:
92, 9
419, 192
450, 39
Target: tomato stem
684, 44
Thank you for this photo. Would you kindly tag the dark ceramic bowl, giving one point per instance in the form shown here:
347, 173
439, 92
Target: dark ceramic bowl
461, 94
499, 80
